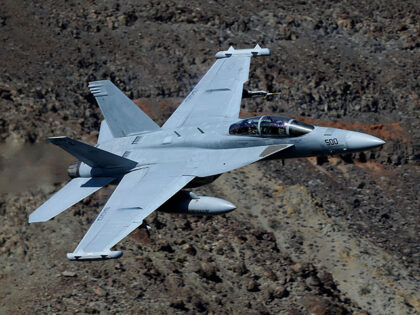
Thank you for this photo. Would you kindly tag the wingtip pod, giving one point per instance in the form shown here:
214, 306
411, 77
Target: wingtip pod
256, 51
94, 256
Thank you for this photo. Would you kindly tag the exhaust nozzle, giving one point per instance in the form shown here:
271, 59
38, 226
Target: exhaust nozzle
73, 169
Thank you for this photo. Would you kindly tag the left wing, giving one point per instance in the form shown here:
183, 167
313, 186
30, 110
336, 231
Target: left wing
139, 193
218, 94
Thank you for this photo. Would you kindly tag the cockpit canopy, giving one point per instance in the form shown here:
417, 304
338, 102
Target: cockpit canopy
270, 126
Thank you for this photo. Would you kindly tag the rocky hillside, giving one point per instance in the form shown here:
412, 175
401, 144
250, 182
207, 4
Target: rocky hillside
315, 236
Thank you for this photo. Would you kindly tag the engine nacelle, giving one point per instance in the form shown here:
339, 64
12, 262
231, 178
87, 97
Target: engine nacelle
81, 169
190, 203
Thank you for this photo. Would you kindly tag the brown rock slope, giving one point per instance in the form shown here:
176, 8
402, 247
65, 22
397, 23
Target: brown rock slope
315, 236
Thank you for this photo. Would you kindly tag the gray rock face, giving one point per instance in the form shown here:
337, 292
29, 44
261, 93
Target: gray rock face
328, 236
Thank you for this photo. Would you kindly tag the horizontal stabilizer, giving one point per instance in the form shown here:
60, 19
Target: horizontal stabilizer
90, 155
123, 117
75, 190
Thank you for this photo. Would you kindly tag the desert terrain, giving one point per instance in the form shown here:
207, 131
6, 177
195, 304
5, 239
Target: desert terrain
332, 235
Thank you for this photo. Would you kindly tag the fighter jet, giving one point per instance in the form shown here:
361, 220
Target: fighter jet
203, 139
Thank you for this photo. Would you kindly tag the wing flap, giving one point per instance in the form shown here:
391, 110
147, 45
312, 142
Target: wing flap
73, 192
139, 193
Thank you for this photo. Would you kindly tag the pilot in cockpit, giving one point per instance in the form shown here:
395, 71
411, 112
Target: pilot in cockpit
270, 126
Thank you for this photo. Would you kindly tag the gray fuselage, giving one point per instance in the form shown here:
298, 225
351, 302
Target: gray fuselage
213, 147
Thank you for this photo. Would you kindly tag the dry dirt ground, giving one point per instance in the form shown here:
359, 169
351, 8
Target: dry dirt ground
314, 236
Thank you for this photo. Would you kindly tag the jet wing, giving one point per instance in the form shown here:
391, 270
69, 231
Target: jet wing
74, 191
139, 193
218, 95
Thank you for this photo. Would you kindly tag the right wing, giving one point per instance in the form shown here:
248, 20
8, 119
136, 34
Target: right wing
139, 193
121, 114
105, 133
218, 95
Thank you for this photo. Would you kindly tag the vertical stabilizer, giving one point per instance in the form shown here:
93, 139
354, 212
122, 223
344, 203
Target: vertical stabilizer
121, 114
105, 133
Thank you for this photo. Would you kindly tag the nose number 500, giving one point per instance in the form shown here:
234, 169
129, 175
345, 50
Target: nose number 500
332, 141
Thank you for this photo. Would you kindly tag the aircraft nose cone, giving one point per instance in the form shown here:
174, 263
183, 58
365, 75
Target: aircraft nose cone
222, 205
357, 141
229, 206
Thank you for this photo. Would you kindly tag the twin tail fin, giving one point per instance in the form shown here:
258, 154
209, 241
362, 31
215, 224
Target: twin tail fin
123, 116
